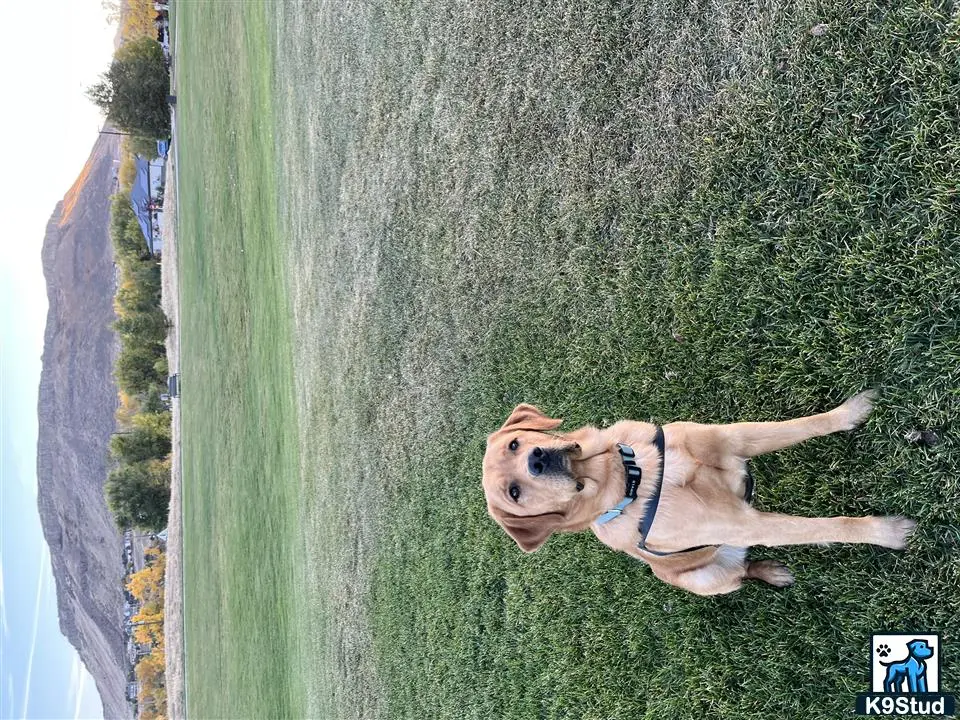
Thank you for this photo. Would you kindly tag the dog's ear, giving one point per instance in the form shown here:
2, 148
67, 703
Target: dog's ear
527, 417
532, 531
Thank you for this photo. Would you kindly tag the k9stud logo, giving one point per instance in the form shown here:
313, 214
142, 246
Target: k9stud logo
905, 677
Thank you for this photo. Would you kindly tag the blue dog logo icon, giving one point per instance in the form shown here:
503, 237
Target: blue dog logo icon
911, 671
905, 677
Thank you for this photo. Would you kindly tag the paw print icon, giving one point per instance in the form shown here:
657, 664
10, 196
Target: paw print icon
883, 650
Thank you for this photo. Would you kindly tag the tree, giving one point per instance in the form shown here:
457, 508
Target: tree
138, 495
144, 146
140, 289
152, 695
143, 328
149, 631
147, 585
147, 275
125, 232
152, 404
156, 423
147, 441
134, 369
112, 8
133, 92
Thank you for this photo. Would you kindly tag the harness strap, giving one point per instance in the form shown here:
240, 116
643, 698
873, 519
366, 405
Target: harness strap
748, 490
632, 480
651, 509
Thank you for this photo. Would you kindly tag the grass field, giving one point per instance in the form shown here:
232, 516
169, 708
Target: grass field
238, 415
646, 210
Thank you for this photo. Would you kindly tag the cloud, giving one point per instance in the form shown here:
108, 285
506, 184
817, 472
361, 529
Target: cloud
36, 626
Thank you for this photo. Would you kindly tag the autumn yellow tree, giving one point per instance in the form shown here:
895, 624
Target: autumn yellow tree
152, 696
147, 587
148, 626
126, 410
136, 19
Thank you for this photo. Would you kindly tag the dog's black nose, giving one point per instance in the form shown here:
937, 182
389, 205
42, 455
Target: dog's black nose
535, 462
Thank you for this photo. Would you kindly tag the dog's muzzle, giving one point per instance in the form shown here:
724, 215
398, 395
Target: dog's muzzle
546, 462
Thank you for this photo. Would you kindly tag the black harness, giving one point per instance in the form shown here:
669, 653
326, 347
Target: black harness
633, 476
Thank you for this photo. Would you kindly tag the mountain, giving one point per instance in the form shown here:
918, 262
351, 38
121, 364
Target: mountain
78, 397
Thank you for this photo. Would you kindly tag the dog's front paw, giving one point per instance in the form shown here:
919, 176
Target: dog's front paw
855, 410
894, 531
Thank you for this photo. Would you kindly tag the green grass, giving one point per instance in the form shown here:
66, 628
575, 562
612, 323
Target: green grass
240, 457
649, 210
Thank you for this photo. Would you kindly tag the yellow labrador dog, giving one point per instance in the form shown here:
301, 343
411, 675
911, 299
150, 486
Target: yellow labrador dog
689, 516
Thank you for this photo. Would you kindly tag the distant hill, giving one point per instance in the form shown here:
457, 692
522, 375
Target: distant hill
76, 407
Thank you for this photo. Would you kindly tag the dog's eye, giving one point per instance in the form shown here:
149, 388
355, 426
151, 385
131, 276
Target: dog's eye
514, 444
515, 491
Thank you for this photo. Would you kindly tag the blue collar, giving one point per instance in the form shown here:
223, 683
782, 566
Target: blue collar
632, 480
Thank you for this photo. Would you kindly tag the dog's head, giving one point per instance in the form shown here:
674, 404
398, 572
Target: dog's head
529, 480
920, 649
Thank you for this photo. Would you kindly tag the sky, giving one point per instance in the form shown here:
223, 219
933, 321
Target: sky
50, 52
